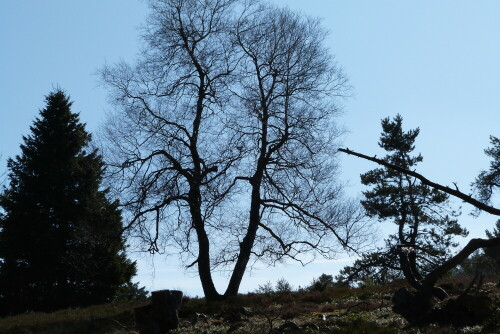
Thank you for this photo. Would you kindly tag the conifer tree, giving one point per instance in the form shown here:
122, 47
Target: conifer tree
494, 252
488, 181
60, 236
425, 224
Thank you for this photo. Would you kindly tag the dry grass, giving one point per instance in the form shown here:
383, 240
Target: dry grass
338, 310
93, 319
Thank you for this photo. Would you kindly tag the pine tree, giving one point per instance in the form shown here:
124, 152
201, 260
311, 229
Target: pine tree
488, 181
60, 236
484, 262
494, 252
425, 223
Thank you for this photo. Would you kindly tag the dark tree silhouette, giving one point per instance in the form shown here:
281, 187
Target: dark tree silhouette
415, 305
286, 92
488, 181
421, 213
60, 237
485, 262
220, 146
494, 252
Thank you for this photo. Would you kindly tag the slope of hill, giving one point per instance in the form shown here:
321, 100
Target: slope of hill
337, 310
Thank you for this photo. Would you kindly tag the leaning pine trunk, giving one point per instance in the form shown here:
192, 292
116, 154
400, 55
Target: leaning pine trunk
417, 306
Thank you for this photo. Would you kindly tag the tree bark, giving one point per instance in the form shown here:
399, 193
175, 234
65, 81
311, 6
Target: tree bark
203, 260
247, 244
470, 248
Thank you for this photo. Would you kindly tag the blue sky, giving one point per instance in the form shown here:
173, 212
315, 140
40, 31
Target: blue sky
437, 63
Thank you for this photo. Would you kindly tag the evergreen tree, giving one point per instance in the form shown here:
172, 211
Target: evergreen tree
494, 252
321, 283
488, 181
485, 262
425, 224
60, 237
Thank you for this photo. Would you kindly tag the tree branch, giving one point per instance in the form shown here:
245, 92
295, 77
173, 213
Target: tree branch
453, 192
471, 247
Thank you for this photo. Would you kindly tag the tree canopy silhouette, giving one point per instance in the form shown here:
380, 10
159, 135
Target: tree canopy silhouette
488, 181
424, 220
415, 306
221, 146
60, 236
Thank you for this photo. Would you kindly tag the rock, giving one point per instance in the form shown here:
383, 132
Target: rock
289, 326
310, 325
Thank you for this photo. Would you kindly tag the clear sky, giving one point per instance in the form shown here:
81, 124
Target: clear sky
437, 63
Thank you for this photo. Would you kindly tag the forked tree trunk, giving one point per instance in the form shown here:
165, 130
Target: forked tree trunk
246, 245
409, 304
415, 306
255, 205
203, 260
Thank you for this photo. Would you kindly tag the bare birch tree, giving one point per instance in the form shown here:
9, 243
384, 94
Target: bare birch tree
287, 91
220, 146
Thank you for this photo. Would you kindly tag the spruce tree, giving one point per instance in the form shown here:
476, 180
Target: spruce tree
425, 224
60, 236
